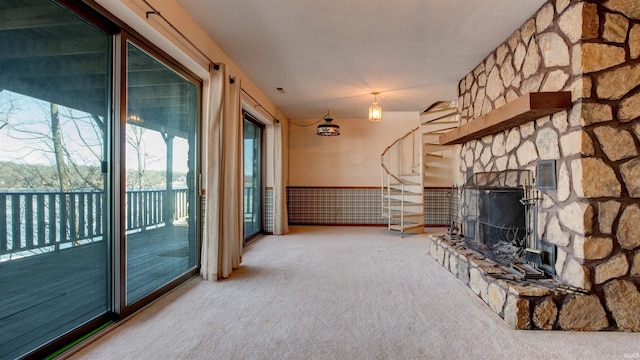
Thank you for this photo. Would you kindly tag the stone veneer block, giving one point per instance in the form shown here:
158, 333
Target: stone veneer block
576, 275
507, 73
629, 108
631, 9
571, 25
501, 53
607, 213
583, 313
623, 300
635, 267
516, 313
564, 183
498, 146
545, 314
547, 144
561, 259
453, 265
617, 144
433, 249
529, 290
598, 178
577, 217
631, 177
555, 234
615, 28
496, 296
628, 229
561, 5
590, 21
596, 57
518, 56
526, 153
495, 86
592, 247
531, 60
555, 81
555, 52
616, 83
440, 254
634, 41
544, 19
615, 267
463, 271
576, 142
477, 283
595, 113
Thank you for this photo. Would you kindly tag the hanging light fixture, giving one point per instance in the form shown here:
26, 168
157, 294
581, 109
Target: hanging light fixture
328, 129
375, 111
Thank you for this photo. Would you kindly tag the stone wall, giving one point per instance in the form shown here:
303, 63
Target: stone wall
591, 48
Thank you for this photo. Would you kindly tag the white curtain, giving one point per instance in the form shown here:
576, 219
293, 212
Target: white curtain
233, 175
222, 240
281, 153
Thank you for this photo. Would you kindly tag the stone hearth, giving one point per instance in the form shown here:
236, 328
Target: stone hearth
544, 304
592, 49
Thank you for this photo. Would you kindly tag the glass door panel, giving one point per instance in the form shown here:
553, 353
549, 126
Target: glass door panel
54, 135
160, 204
252, 178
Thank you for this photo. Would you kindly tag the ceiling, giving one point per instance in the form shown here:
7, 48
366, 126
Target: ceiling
332, 54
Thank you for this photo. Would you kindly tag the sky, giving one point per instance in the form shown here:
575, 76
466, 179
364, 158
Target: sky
27, 137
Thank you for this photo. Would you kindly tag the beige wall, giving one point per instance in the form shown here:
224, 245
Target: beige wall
351, 159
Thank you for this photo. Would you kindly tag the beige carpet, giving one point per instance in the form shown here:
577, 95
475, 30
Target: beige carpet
339, 293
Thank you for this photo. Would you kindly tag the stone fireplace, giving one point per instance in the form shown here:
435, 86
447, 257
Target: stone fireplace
499, 220
591, 49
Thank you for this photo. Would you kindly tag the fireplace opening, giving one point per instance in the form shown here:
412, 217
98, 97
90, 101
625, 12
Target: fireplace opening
499, 219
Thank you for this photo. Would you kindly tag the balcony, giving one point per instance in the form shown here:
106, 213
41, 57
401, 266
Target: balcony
46, 236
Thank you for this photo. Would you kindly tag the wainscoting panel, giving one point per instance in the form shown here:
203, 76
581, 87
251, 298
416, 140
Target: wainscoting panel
356, 206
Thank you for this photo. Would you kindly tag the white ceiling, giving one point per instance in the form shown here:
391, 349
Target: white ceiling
331, 54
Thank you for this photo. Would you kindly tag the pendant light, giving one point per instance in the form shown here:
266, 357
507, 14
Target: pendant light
375, 111
328, 129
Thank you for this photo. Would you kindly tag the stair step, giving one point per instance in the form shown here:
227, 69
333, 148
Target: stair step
433, 155
431, 115
412, 178
436, 147
407, 217
438, 132
412, 188
412, 198
414, 228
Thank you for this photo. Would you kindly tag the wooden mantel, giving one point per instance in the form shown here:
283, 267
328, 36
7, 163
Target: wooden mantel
517, 112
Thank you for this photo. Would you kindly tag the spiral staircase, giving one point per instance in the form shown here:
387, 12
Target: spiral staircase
405, 164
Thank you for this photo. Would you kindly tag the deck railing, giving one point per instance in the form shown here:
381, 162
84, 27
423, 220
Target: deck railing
48, 221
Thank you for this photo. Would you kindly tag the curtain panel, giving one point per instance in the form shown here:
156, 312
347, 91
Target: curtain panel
280, 220
222, 238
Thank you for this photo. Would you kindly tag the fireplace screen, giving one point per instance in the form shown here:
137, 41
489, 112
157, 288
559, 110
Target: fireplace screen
496, 214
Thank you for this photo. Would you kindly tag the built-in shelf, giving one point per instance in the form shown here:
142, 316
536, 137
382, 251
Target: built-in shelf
517, 112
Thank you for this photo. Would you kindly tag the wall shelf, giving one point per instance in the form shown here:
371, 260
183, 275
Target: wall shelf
517, 112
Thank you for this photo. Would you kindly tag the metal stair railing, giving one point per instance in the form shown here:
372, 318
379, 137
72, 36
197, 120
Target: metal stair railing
392, 171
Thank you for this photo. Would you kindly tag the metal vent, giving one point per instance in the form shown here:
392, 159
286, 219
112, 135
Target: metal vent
546, 175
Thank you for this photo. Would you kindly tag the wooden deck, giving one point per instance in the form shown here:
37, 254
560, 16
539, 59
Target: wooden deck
44, 296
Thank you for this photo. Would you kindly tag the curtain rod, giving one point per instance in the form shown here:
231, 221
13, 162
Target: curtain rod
156, 12
260, 105
212, 63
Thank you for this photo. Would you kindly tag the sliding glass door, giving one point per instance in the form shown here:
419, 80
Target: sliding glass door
55, 76
98, 208
252, 177
160, 206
